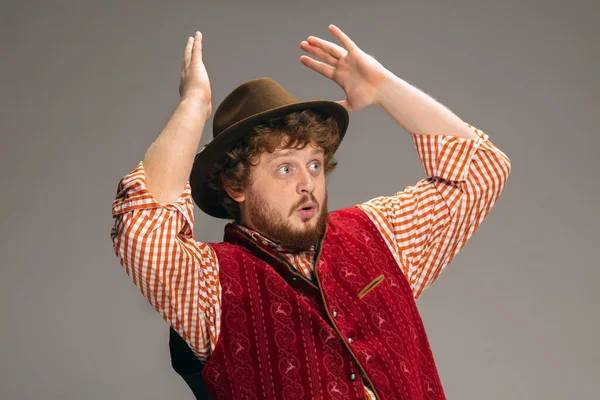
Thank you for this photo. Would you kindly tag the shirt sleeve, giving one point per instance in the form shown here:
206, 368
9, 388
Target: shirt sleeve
426, 225
178, 275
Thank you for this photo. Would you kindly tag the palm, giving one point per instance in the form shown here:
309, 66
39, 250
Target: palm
356, 72
194, 78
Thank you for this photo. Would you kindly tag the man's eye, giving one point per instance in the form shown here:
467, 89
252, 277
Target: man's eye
285, 169
316, 166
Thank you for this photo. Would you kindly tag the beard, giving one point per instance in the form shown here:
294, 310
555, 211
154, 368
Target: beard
278, 228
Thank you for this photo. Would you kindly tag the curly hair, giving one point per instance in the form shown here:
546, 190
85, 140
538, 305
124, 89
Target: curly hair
293, 130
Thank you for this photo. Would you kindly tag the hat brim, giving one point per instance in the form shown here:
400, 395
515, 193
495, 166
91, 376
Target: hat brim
206, 198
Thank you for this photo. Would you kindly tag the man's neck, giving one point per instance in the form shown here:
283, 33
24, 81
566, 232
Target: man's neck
258, 236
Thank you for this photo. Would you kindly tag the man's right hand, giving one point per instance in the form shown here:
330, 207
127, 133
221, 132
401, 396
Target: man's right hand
169, 159
194, 82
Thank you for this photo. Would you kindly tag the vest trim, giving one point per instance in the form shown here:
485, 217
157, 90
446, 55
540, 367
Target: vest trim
364, 373
371, 286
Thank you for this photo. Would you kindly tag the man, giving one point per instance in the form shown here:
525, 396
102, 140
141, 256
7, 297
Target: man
297, 302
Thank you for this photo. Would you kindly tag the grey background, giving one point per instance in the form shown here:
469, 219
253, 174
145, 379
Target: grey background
87, 87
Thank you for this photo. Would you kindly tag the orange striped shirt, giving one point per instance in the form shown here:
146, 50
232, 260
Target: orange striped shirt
424, 226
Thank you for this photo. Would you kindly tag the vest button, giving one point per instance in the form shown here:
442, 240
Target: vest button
294, 278
352, 377
350, 340
335, 314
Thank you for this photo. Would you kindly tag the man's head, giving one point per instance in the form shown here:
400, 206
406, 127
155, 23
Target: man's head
273, 181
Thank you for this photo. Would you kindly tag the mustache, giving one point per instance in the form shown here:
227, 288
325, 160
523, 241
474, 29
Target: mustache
303, 200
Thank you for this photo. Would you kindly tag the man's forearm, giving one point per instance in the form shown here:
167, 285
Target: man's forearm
169, 159
417, 112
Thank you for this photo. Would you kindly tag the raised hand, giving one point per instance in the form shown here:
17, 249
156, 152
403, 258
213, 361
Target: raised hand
356, 72
194, 78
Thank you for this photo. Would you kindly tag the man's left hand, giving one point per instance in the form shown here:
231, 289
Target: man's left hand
356, 72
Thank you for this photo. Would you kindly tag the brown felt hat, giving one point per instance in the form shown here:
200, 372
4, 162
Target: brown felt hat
251, 103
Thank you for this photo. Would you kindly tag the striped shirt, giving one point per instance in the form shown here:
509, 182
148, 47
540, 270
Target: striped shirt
424, 226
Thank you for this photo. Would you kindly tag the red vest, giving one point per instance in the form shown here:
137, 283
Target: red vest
284, 337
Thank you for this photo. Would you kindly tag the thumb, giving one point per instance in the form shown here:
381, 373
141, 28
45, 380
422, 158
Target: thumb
345, 104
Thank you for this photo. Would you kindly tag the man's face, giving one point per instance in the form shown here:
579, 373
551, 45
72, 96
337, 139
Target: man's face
287, 197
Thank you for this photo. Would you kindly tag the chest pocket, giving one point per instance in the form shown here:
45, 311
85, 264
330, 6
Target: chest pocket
372, 285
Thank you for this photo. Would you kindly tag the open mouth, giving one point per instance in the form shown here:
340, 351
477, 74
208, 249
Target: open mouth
307, 211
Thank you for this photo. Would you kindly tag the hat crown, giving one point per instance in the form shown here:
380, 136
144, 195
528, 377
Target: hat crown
248, 99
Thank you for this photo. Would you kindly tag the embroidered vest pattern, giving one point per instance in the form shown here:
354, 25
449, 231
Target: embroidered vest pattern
284, 337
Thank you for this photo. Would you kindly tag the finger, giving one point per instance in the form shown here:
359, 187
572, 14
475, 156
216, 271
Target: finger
322, 68
343, 38
187, 53
317, 52
197, 48
330, 48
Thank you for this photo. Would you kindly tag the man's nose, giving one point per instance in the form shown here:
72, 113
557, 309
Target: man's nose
306, 185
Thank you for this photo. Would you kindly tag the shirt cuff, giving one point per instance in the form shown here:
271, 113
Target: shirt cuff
448, 157
132, 194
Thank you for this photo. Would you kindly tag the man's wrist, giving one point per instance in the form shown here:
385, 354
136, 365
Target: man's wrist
197, 102
382, 85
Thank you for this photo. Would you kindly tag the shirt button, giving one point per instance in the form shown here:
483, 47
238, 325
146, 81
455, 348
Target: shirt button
352, 377
473, 157
350, 340
335, 314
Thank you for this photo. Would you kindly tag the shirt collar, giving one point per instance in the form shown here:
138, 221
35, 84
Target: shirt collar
270, 243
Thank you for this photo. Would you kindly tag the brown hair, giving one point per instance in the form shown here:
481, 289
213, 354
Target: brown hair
302, 127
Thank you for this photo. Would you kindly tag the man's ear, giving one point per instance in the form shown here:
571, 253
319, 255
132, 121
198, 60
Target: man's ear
235, 195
